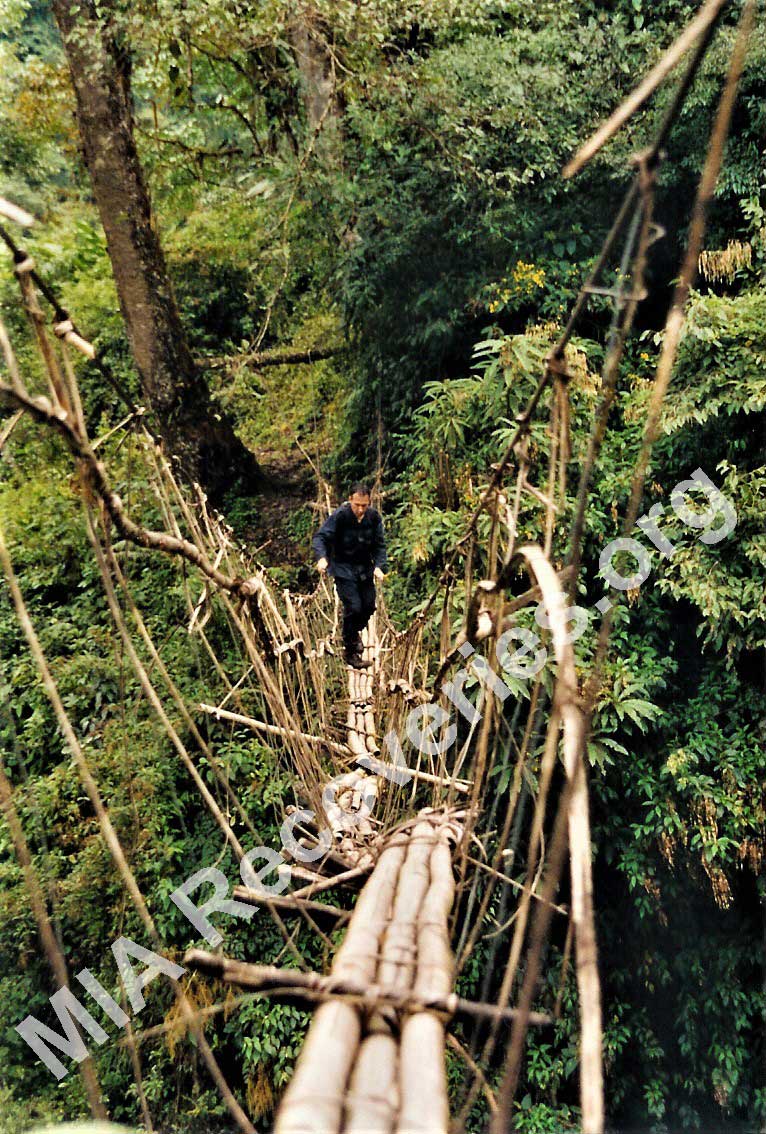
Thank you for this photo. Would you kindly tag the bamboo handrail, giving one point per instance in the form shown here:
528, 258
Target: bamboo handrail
297, 986
290, 903
274, 730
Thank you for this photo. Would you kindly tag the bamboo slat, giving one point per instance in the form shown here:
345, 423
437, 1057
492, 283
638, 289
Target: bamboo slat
373, 1100
315, 1099
423, 1077
399, 944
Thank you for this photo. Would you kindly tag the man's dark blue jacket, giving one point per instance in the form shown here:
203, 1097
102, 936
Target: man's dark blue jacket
351, 547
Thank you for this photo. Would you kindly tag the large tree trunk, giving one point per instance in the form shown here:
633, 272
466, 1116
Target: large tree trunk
315, 67
196, 432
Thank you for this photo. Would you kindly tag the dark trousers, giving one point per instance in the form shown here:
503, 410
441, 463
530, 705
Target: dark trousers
358, 598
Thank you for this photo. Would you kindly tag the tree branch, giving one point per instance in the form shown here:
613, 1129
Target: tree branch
276, 357
195, 151
41, 410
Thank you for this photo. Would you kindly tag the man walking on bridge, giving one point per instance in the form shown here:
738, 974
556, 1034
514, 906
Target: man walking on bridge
350, 545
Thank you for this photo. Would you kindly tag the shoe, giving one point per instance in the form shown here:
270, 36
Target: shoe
356, 661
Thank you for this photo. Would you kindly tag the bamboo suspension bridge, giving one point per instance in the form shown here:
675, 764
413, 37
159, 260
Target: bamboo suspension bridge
427, 860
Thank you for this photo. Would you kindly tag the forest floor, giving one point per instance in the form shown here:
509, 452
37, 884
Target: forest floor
284, 519
291, 421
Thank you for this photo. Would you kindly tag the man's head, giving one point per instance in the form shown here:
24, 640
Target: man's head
359, 499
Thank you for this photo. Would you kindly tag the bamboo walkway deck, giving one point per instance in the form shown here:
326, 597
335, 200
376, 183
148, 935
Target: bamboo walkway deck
382, 1069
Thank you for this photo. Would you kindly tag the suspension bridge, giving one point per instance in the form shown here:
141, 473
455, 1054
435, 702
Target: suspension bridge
424, 859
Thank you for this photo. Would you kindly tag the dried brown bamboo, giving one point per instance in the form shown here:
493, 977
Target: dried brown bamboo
173, 690
274, 730
573, 717
707, 15
304, 987
151, 693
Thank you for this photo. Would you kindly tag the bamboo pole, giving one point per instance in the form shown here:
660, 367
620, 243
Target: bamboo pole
299, 986
373, 1097
569, 704
399, 944
314, 1100
289, 903
356, 744
14, 213
275, 730
434, 976
317, 883
463, 786
423, 1077
672, 57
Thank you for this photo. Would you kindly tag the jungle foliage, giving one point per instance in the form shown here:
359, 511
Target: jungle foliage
422, 228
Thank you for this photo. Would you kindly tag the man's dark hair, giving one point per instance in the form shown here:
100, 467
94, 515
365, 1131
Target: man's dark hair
360, 487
